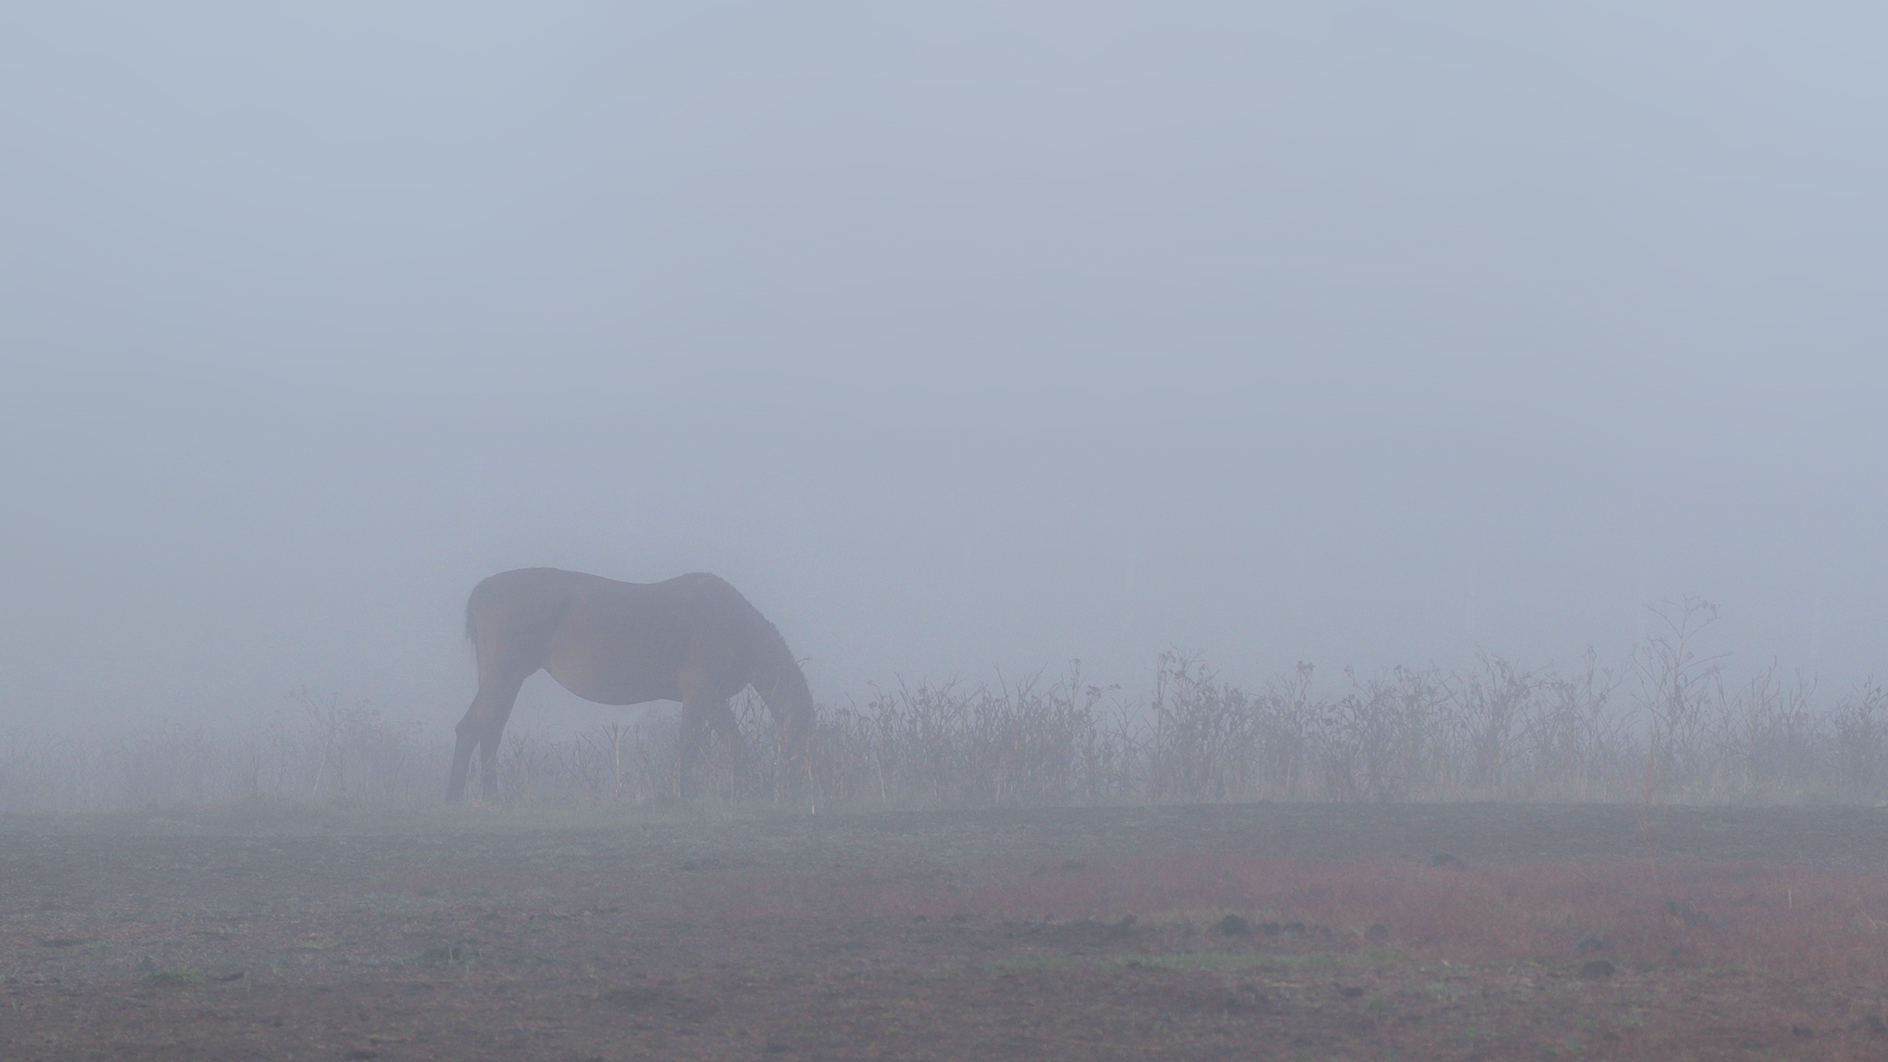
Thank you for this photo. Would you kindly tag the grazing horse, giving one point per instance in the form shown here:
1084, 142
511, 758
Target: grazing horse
692, 638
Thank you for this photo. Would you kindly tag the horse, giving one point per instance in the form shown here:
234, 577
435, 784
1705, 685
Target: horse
692, 639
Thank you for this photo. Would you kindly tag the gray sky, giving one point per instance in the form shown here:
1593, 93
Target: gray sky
984, 336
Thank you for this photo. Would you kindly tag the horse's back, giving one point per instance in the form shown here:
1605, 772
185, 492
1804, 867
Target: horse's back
521, 598
545, 589
537, 610
704, 592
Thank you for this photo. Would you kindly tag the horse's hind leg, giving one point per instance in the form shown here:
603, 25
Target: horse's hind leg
461, 757
481, 728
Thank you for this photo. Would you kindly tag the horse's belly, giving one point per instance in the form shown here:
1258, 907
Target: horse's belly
611, 685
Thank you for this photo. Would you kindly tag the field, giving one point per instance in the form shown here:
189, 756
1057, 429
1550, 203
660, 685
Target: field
1298, 931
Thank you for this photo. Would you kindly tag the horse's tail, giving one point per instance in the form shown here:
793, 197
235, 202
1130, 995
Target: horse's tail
471, 613
472, 605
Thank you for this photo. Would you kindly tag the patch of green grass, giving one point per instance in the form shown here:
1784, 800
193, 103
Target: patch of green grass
1203, 918
1314, 960
1026, 963
318, 945
1225, 960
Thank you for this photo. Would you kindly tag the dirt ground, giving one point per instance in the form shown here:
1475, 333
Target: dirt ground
1179, 933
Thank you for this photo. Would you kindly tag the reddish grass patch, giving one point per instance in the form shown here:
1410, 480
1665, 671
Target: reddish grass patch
1778, 919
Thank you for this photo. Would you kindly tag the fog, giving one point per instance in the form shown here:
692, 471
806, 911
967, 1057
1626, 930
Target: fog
964, 341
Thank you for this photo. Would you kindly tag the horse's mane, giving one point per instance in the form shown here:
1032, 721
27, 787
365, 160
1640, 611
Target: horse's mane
778, 677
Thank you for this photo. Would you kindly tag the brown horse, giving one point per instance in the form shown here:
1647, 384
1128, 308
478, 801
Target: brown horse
692, 638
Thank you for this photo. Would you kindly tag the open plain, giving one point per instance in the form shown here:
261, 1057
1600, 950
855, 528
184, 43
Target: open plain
1292, 931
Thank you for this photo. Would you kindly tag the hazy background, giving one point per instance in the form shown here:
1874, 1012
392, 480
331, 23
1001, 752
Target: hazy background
983, 336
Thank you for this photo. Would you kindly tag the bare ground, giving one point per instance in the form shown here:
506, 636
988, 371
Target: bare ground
1270, 931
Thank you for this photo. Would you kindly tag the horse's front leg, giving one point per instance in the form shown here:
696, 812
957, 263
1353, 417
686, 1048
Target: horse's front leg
698, 718
689, 748
488, 765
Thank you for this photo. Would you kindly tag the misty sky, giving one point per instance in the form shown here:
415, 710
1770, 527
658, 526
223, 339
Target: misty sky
959, 337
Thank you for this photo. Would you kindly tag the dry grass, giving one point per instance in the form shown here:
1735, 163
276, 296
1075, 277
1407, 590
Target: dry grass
1669, 726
